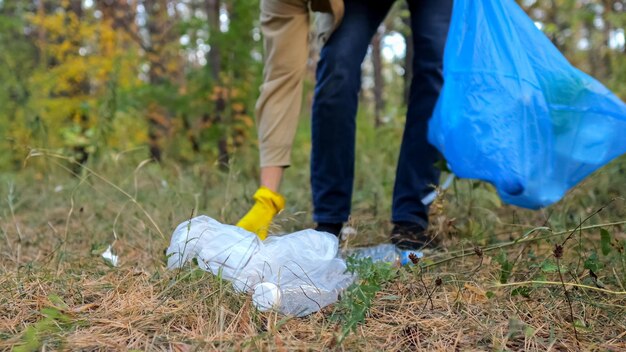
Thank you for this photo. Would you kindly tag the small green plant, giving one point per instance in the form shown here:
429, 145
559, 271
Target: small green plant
357, 301
506, 266
54, 321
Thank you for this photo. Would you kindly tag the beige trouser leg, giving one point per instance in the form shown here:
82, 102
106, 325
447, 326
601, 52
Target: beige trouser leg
285, 27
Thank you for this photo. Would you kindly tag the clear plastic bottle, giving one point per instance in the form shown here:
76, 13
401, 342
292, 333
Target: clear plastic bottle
385, 253
304, 300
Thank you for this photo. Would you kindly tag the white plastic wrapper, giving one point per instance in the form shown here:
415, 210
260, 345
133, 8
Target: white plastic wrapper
109, 257
216, 246
303, 266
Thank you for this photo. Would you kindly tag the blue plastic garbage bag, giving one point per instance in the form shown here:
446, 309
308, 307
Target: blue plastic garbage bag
515, 113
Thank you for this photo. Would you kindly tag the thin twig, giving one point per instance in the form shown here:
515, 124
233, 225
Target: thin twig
430, 294
10, 199
586, 219
516, 242
539, 282
426, 288
569, 301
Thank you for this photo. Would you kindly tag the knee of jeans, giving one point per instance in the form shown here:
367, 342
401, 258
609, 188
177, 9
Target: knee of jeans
337, 71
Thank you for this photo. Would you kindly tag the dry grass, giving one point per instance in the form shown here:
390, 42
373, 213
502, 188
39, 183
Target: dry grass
58, 294
130, 308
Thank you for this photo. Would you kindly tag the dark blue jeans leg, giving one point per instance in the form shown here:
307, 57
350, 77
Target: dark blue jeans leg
416, 174
335, 106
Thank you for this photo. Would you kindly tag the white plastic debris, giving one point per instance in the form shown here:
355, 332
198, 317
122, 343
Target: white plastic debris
266, 296
298, 273
109, 257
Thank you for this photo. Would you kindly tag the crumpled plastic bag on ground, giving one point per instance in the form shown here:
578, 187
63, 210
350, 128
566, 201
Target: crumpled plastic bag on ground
303, 265
514, 112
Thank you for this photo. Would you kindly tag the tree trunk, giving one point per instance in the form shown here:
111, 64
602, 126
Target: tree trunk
408, 61
607, 14
41, 35
377, 63
215, 64
79, 89
158, 120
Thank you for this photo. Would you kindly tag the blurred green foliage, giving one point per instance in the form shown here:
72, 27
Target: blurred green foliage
179, 78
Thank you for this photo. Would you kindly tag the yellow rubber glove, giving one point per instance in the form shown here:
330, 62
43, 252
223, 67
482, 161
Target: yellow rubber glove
267, 205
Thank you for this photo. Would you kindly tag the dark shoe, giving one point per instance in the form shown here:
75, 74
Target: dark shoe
412, 237
335, 229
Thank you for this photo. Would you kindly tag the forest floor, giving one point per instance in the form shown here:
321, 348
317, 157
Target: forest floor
498, 286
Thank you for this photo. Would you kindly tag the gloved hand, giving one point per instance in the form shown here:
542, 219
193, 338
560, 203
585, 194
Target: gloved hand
267, 205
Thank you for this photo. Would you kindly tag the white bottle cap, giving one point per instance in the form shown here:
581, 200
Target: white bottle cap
266, 296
